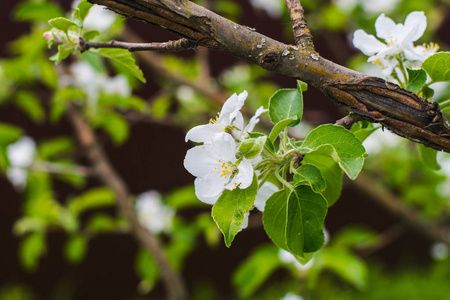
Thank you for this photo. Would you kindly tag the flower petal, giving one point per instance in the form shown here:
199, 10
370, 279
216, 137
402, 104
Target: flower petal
415, 24
231, 107
385, 27
254, 120
203, 133
243, 179
209, 186
367, 43
264, 193
200, 161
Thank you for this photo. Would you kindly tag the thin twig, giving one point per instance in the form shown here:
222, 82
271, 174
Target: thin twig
302, 35
170, 46
348, 121
409, 216
174, 285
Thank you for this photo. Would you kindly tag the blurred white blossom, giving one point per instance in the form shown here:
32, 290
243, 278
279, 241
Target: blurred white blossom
98, 17
274, 8
264, 193
439, 251
369, 6
20, 155
291, 296
152, 213
380, 140
93, 83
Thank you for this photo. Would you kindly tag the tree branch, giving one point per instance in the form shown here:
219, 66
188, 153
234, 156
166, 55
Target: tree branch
174, 285
373, 98
170, 46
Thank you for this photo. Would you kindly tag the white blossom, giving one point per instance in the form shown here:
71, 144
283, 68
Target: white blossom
21, 156
230, 119
264, 193
439, 251
216, 167
152, 213
398, 39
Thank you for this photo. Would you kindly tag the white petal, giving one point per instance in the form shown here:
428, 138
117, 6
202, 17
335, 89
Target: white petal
231, 107
212, 185
385, 27
223, 147
203, 133
416, 23
254, 120
243, 178
415, 53
367, 43
21, 153
245, 222
264, 193
200, 161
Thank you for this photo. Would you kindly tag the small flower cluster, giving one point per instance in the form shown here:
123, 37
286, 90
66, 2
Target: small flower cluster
398, 48
153, 214
215, 163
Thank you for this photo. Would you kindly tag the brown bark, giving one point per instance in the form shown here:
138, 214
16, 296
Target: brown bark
372, 98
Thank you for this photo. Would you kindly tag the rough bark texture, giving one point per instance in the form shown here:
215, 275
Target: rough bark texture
372, 98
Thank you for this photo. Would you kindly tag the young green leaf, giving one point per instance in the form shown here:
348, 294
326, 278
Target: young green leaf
229, 210
310, 175
279, 127
428, 156
92, 199
274, 218
338, 143
285, 104
83, 9
251, 148
255, 270
363, 131
331, 173
9, 134
89, 35
31, 249
37, 11
146, 267
416, 80
116, 126
122, 57
30, 104
62, 24
75, 249
438, 66
62, 53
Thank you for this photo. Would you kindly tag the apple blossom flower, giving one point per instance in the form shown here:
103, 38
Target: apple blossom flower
21, 156
291, 296
152, 213
230, 120
399, 39
274, 8
216, 167
264, 193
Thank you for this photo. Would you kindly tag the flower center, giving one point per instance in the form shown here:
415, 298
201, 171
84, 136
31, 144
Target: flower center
227, 169
215, 120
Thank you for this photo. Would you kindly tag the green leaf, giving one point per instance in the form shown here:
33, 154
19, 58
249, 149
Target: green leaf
311, 175
89, 35
306, 212
62, 53
285, 104
229, 210
279, 127
84, 8
346, 265
56, 147
362, 130
31, 249
251, 148
429, 157
100, 222
274, 218
75, 249
331, 173
146, 268
9, 134
338, 143
183, 198
37, 11
355, 237
92, 199
416, 80
123, 58
62, 24
438, 66
295, 222
116, 126
31, 105
255, 270
302, 86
